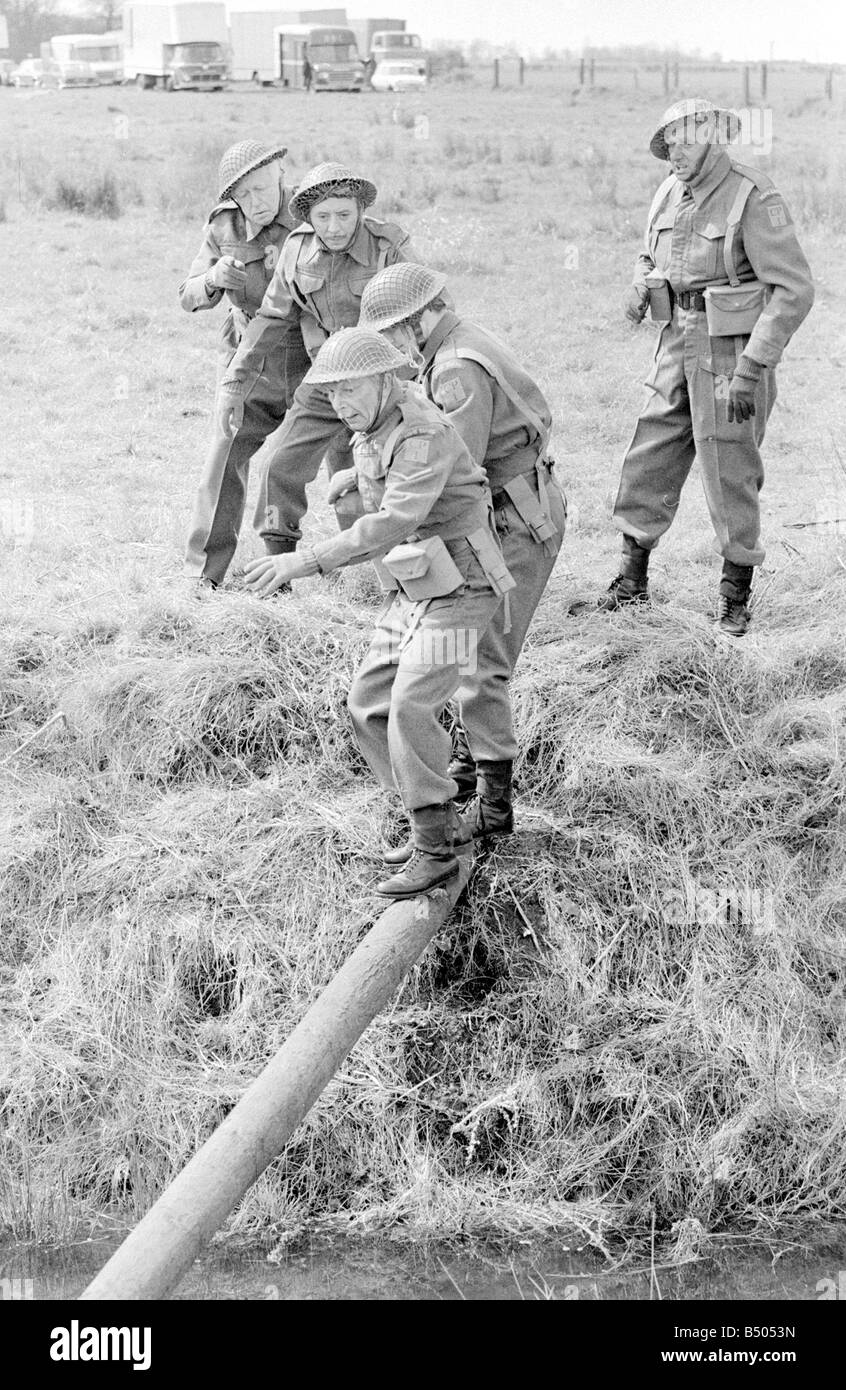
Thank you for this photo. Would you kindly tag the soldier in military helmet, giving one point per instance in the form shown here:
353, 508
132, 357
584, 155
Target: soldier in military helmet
243, 238
426, 520
318, 284
721, 250
504, 420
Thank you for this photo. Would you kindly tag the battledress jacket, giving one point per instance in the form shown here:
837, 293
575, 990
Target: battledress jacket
415, 477
318, 289
226, 235
685, 240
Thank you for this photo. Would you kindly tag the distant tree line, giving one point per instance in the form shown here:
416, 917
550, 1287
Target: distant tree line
478, 52
32, 22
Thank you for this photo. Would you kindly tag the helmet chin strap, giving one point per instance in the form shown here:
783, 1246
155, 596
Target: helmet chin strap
411, 347
384, 393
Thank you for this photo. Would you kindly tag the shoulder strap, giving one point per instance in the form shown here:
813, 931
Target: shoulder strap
511, 392
290, 253
660, 195
390, 444
736, 212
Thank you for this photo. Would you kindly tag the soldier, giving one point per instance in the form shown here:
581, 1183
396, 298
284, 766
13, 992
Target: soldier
243, 238
504, 420
720, 242
418, 485
319, 281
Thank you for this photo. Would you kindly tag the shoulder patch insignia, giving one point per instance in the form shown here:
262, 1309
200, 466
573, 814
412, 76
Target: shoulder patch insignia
449, 389
777, 214
416, 449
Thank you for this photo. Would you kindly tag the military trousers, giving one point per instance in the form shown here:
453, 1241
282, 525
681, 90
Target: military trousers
290, 459
411, 670
483, 694
221, 497
685, 417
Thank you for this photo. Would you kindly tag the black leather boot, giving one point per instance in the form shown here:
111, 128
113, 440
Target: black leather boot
435, 831
462, 766
733, 615
630, 585
490, 811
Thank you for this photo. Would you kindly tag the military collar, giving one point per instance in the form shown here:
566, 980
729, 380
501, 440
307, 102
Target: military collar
715, 166
359, 249
446, 323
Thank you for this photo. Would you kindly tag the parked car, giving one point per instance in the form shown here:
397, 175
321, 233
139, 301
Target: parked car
7, 67
399, 75
75, 73
36, 72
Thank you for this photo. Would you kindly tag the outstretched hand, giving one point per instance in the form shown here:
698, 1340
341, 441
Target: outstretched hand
270, 572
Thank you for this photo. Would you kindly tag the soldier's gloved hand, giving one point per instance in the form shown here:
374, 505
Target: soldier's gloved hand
741, 399
341, 483
635, 303
227, 274
230, 412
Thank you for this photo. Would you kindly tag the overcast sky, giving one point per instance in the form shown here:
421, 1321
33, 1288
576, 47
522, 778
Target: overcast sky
811, 29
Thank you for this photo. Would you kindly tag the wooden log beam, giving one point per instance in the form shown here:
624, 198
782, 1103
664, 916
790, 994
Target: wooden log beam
168, 1239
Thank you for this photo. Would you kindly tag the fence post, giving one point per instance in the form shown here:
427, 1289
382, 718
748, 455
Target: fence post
747, 100
675, 76
496, 72
521, 69
581, 72
592, 61
763, 81
665, 78
829, 83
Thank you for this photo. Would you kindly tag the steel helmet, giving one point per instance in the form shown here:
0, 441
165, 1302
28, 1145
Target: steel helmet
242, 159
728, 122
397, 292
325, 180
351, 353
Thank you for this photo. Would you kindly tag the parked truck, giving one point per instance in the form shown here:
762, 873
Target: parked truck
334, 64
365, 28
101, 51
254, 56
176, 46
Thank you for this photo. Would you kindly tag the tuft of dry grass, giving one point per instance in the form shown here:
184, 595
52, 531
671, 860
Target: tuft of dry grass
636, 1012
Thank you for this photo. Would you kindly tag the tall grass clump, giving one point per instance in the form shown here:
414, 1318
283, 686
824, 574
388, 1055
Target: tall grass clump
632, 1025
99, 197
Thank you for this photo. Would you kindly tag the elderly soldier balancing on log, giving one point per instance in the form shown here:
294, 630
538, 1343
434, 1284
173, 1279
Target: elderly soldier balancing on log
427, 520
504, 420
722, 254
244, 235
318, 283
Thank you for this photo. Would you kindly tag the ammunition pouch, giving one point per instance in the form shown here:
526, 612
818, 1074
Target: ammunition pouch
732, 311
532, 507
423, 569
489, 555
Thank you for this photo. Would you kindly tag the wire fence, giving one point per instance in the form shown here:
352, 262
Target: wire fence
736, 83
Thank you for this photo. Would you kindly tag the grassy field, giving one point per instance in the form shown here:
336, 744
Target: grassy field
189, 841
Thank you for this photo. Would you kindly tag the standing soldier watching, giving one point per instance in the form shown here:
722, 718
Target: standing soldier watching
427, 520
244, 235
504, 420
721, 247
318, 283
